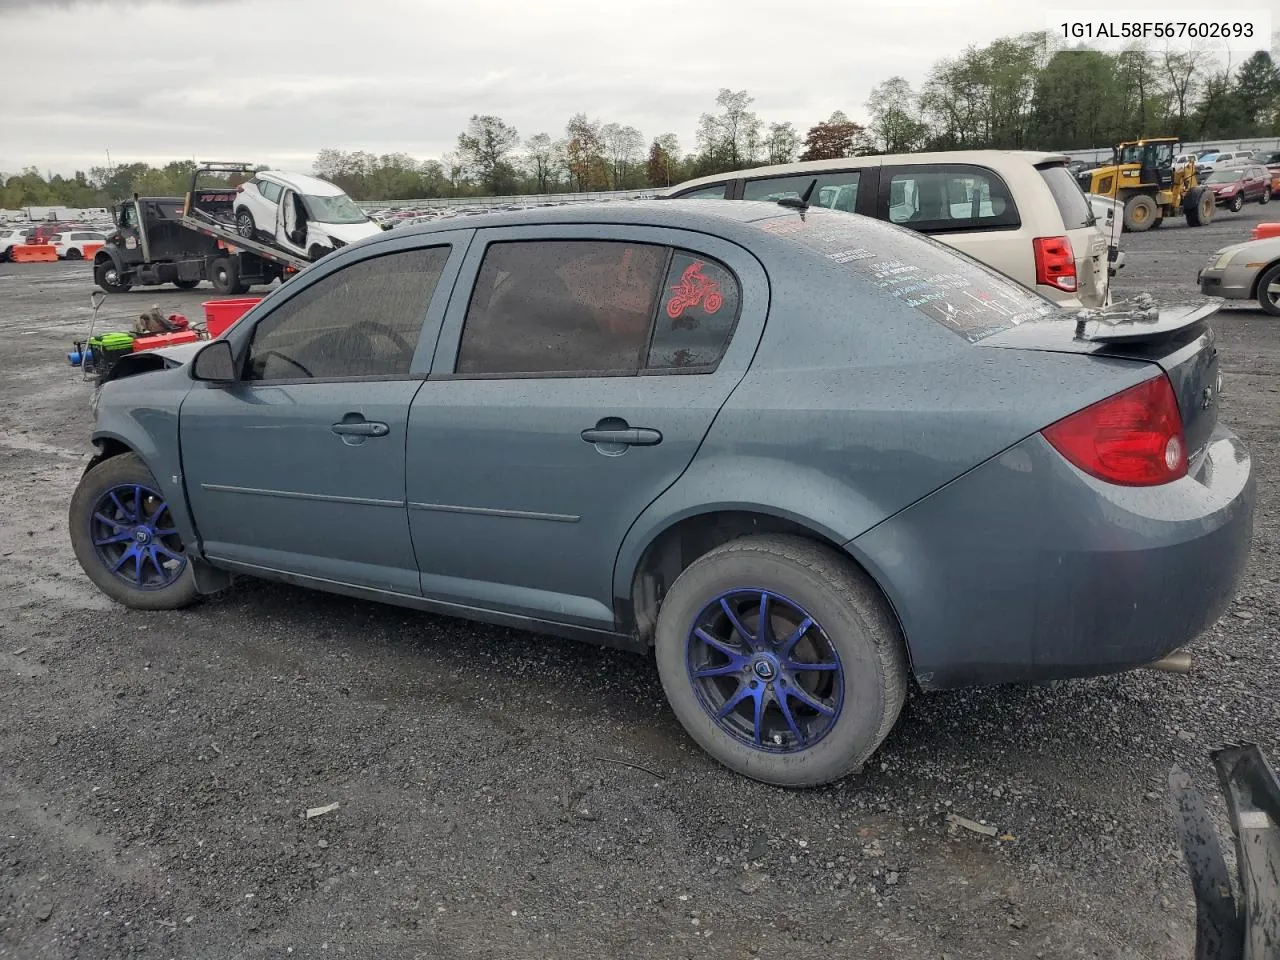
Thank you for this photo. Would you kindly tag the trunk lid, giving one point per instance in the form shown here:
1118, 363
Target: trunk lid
1177, 338
1089, 244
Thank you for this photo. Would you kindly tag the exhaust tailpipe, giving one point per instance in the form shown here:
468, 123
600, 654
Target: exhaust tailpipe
1177, 662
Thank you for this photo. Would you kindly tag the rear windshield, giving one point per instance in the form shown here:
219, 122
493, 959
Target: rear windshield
950, 288
1071, 201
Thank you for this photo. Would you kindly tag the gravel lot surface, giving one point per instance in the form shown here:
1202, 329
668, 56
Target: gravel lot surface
507, 795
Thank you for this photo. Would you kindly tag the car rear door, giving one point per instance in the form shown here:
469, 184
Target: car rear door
579, 368
298, 466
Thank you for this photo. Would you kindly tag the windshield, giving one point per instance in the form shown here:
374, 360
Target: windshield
1224, 176
965, 296
339, 209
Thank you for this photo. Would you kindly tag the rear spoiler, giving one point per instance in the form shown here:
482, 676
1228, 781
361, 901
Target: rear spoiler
1139, 320
1227, 928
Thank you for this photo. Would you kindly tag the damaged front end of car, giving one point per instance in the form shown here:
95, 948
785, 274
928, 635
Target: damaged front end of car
1239, 921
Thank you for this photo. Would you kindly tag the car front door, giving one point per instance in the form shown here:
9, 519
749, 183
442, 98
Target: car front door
298, 466
288, 230
578, 370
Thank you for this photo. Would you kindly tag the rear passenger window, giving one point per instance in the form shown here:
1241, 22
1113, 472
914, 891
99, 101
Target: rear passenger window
362, 321
938, 199
573, 307
699, 310
270, 190
835, 191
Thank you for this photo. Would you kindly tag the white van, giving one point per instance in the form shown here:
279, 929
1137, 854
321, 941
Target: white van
1021, 212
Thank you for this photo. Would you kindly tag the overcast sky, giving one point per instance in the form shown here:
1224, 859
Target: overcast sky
273, 81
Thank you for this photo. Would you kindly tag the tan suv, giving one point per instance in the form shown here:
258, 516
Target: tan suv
1021, 212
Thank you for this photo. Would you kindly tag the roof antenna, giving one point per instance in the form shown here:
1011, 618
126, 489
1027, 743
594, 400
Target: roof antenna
800, 203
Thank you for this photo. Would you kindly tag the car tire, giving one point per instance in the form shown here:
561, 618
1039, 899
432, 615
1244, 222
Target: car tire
858, 658
186, 284
1199, 206
106, 276
224, 275
1237, 203
74, 254
245, 225
1266, 194
1139, 212
1270, 302
124, 538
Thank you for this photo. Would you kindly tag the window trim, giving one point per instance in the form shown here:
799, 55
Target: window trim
885, 193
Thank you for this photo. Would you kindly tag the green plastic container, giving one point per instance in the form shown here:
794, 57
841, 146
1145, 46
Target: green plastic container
108, 348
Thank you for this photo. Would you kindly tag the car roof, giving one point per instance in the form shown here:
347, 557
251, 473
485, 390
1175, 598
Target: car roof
989, 157
711, 216
303, 183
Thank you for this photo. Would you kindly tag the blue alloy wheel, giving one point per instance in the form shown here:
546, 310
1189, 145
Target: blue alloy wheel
765, 670
134, 537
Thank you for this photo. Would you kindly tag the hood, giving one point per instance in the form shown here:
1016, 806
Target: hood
1224, 187
1254, 251
350, 232
179, 355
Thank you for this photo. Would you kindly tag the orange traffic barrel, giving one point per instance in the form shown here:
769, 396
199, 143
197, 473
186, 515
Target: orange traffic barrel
1264, 230
33, 253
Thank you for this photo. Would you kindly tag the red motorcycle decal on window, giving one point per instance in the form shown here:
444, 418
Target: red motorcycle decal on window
694, 289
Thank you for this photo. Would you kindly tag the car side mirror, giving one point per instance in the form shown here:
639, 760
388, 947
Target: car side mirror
214, 363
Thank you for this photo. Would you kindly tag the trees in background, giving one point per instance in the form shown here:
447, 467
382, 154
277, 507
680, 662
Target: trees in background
1016, 92
835, 137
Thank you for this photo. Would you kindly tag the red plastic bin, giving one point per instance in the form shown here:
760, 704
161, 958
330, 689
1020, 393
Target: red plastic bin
165, 340
219, 315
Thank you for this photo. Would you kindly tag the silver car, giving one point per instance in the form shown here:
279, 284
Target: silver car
1245, 271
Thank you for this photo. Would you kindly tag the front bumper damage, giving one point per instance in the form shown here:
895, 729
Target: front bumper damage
1244, 923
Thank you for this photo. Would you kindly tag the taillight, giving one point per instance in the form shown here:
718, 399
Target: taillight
1055, 262
1133, 438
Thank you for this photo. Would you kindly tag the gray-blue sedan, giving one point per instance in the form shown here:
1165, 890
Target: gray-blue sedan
802, 456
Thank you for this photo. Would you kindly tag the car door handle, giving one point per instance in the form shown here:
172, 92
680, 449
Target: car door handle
631, 436
361, 428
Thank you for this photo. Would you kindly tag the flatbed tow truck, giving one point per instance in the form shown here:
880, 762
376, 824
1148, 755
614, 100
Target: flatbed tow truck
183, 240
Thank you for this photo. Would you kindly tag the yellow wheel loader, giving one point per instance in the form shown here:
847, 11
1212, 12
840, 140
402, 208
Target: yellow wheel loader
1145, 180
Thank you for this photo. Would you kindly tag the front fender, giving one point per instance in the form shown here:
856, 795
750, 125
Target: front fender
108, 254
777, 488
141, 413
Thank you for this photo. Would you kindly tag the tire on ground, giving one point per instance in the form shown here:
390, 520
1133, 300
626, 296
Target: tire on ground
126, 468
1140, 211
102, 271
847, 605
1198, 205
1269, 276
224, 274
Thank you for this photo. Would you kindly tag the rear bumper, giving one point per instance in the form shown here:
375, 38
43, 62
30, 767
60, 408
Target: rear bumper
1026, 569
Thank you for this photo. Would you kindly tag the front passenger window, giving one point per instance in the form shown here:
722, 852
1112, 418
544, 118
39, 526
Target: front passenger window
362, 321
